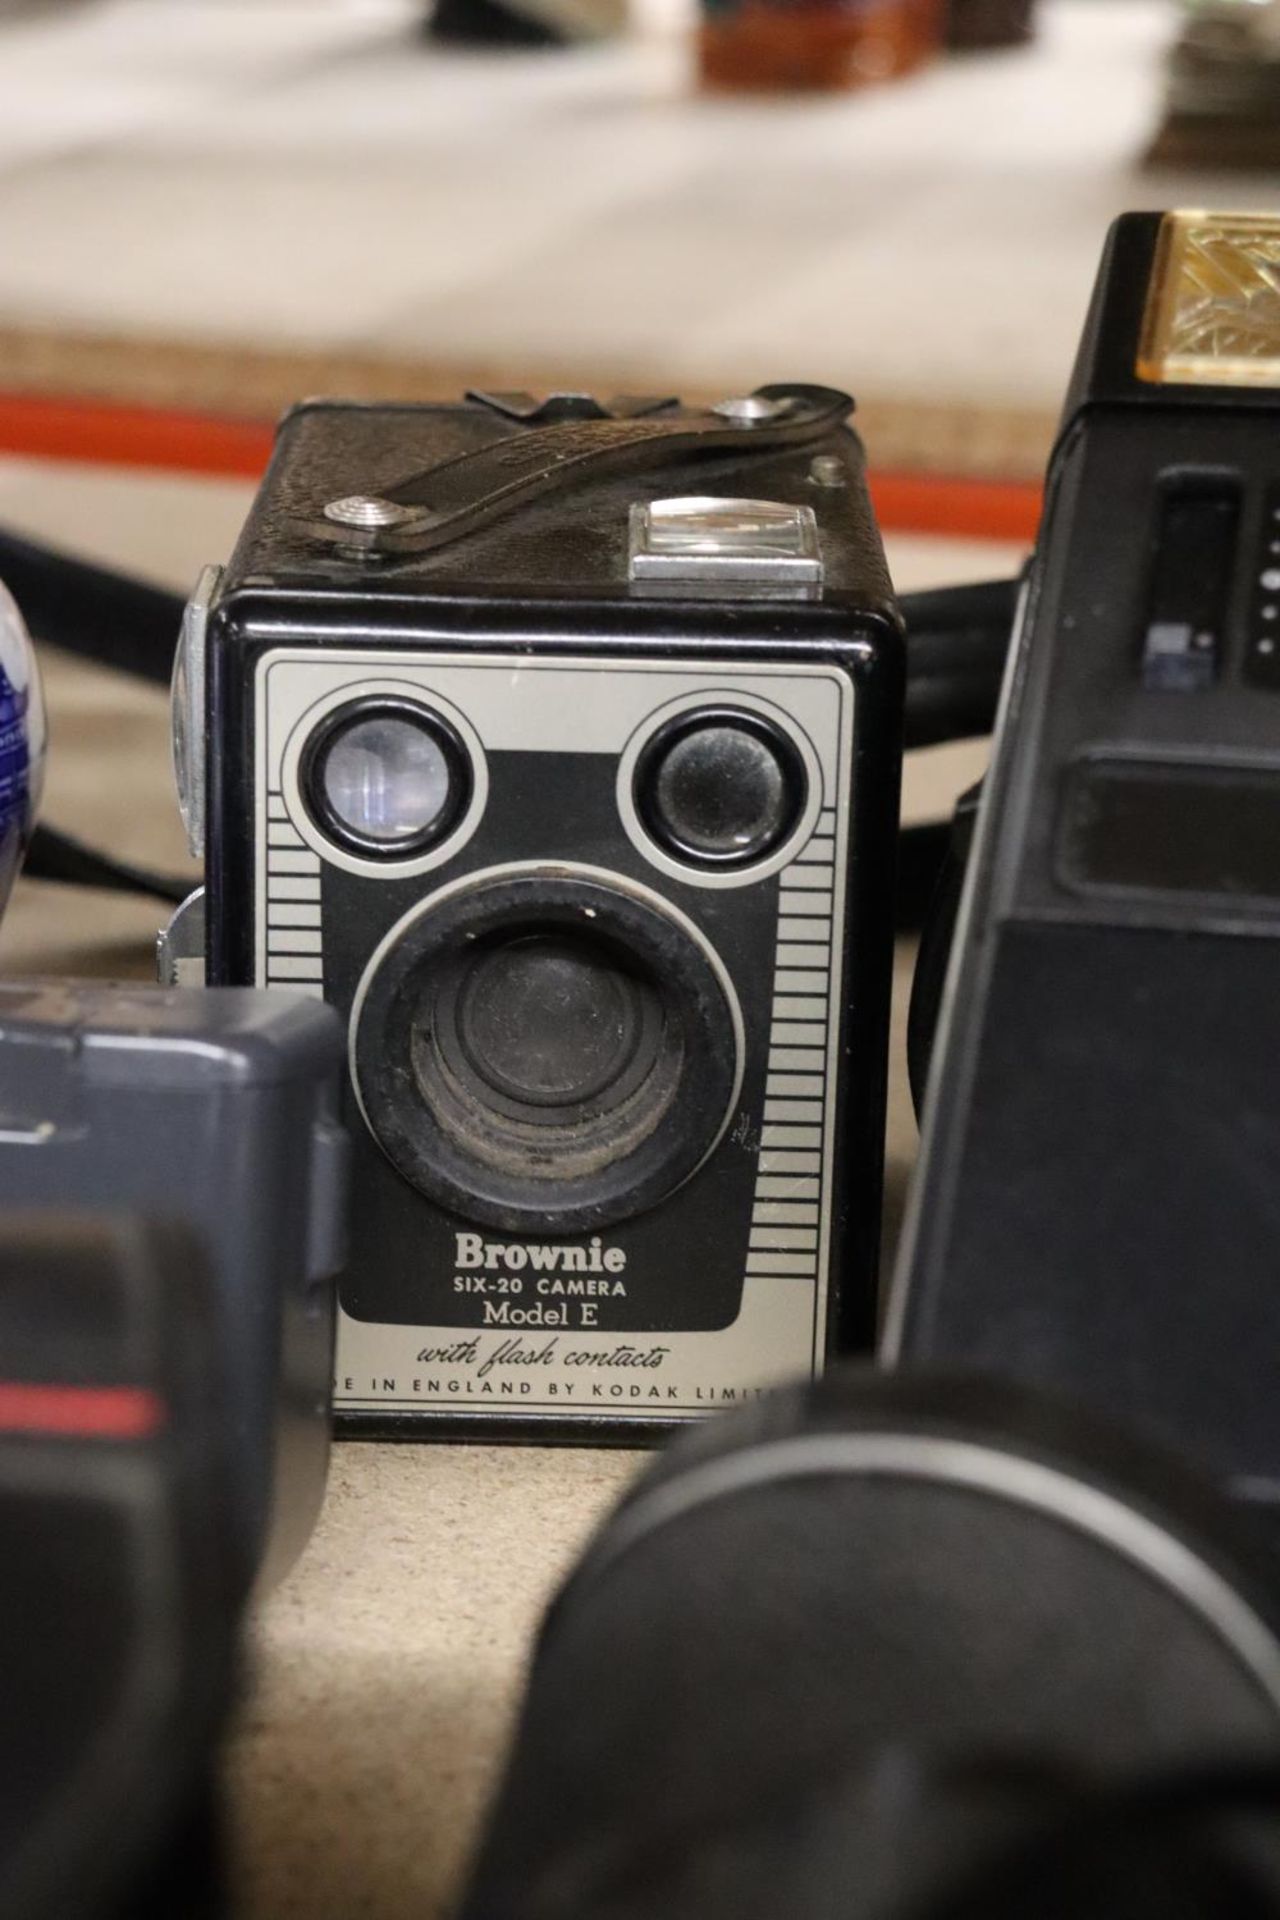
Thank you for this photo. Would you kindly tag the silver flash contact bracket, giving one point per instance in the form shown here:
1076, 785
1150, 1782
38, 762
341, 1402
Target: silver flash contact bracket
697, 539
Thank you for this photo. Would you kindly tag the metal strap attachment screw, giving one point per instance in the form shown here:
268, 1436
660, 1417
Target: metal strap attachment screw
752, 409
365, 511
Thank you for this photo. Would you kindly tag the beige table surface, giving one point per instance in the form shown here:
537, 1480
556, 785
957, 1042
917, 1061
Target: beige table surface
385, 1671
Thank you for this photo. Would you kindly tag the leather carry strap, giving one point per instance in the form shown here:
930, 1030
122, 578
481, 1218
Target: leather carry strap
432, 509
54, 855
956, 643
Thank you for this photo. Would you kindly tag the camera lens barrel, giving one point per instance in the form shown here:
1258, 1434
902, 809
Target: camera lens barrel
874, 1631
546, 1047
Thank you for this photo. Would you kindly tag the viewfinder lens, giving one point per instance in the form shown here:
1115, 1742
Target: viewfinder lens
720, 788
387, 780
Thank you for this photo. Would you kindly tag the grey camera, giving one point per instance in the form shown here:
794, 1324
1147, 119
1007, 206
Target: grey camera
217, 1108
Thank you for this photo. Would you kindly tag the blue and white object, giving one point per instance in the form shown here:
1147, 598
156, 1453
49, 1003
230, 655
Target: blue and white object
22, 742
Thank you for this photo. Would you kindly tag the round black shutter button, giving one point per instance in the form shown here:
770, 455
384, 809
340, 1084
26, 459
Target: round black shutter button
720, 788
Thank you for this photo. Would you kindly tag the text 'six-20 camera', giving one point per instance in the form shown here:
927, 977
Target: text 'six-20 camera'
557, 746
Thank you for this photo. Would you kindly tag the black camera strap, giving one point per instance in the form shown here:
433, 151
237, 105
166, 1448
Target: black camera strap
114, 620
94, 612
55, 855
957, 638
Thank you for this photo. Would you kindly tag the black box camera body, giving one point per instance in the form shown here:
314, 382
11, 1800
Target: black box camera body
566, 768
1097, 1206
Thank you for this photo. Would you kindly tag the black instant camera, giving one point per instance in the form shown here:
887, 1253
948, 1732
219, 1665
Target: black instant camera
1097, 1207
557, 746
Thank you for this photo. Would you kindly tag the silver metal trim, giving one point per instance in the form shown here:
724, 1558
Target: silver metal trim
981, 1468
828, 470
187, 706
180, 945
366, 512
752, 409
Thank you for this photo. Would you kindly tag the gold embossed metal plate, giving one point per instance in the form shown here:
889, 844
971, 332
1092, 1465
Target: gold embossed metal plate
1213, 309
